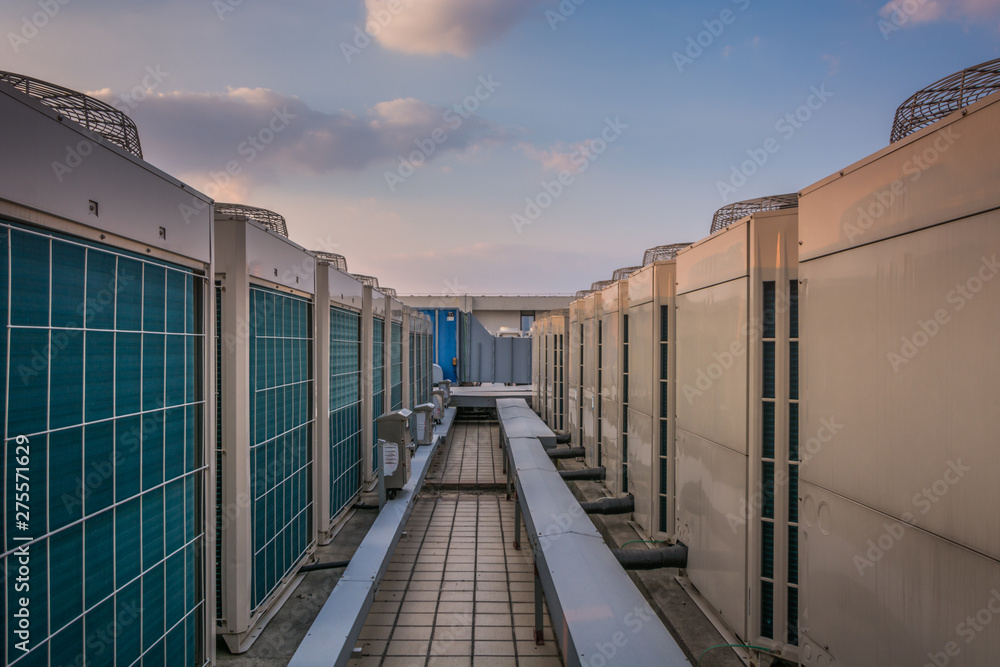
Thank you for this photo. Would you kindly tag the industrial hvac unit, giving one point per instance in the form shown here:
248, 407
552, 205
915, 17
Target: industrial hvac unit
395, 357
424, 360
590, 307
339, 430
900, 308
652, 362
106, 311
612, 391
737, 412
266, 431
536, 365
374, 362
574, 374
541, 329
555, 361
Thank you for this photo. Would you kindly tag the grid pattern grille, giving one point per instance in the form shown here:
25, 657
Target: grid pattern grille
345, 409
663, 416
396, 366
107, 390
378, 382
280, 452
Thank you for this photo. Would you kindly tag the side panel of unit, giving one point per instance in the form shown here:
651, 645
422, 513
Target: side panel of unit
611, 385
574, 375
712, 370
913, 597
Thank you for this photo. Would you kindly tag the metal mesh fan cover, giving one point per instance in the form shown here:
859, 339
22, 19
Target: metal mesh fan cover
270, 219
582, 293
662, 253
371, 281
623, 273
600, 284
388, 291
93, 114
332, 258
945, 97
727, 215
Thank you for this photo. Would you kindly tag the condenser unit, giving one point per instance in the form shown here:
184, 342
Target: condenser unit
652, 383
737, 410
900, 285
574, 373
340, 400
107, 338
613, 386
555, 359
590, 365
266, 429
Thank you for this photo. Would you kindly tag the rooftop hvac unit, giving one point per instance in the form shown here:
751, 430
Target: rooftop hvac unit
623, 273
268, 219
727, 215
590, 317
879, 246
333, 259
339, 431
582, 293
613, 386
662, 253
396, 444
266, 309
388, 291
737, 414
574, 373
945, 97
92, 114
107, 285
652, 406
375, 362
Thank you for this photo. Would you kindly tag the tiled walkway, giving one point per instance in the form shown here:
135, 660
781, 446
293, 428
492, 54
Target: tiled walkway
473, 458
456, 592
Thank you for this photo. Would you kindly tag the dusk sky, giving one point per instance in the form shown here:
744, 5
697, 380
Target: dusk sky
499, 146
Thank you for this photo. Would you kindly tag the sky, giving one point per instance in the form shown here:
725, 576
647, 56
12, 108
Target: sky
499, 146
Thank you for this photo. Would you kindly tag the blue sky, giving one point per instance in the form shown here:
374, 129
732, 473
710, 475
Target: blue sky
586, 131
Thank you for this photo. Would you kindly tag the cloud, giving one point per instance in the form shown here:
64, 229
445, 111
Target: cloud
432, 27
559, 157
906, 13
254, 135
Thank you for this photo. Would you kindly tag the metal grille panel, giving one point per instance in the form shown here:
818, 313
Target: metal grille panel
345, 409
108, 393
727, 215
280, 452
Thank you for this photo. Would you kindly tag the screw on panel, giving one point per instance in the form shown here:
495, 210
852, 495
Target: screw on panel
163, 233
92, 207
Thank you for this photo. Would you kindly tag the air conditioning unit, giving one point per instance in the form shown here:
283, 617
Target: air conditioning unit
396, 446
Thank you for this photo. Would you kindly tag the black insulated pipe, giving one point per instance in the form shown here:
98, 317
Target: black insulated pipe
565, 452
364, 506
652, 559
584, 475
623, 505
324, 566
563, 437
